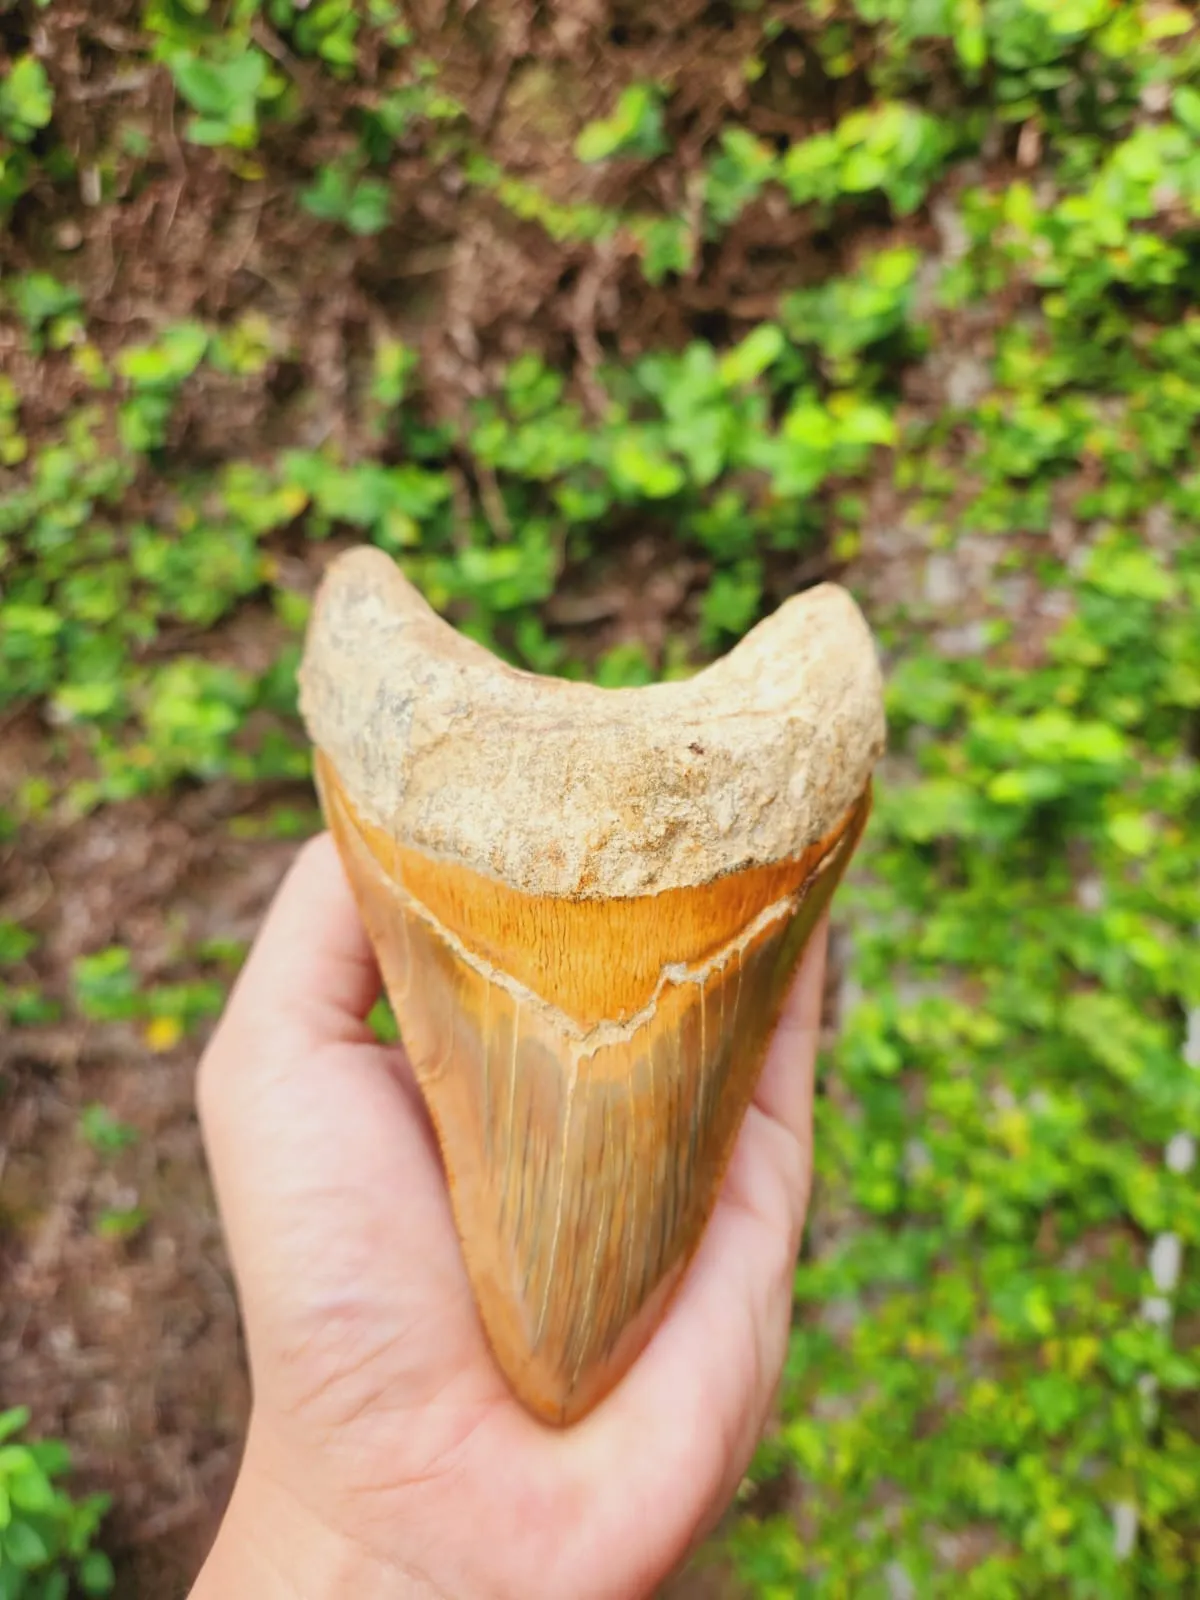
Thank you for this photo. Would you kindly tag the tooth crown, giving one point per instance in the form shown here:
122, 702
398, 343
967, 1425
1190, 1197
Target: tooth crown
587, 906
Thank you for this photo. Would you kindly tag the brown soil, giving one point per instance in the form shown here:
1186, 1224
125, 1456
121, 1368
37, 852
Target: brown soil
130, 1348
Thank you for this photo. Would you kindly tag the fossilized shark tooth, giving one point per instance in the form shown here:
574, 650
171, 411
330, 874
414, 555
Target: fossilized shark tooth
586, 904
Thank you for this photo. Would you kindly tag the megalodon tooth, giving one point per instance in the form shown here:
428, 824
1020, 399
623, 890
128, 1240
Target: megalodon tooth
587, 905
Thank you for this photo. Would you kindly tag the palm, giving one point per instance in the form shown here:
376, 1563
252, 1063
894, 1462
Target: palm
369, 1358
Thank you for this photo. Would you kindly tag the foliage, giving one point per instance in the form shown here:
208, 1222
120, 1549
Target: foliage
225, 95
22, 1004
895, 147
977, 373
46, 1537
26, 106
26, 100
338, 194
634, 129
107, 989
104, 1132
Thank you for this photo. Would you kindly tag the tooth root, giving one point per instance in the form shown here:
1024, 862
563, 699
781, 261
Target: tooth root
586, 906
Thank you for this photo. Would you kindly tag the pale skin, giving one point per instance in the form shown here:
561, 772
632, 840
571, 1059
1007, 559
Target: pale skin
386, 1458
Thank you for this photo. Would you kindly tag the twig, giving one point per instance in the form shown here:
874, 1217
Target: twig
120, 83
583, 324
493, 501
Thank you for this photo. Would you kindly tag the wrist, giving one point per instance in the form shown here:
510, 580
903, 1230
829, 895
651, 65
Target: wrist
271, 1547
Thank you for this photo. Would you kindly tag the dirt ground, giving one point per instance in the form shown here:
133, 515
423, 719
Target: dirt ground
130, 1347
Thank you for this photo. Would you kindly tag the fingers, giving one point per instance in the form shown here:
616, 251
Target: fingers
311, 970
785, 1089
340, 1229
771, 1169
306, 981
278, 1065
329, 1186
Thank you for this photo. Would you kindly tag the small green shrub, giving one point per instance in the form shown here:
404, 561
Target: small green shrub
26, 107
46, 1537
328, 29
106, 986
106, 1134
895, 148
340, 194
26, 100
226, 96
735, 175
634, 129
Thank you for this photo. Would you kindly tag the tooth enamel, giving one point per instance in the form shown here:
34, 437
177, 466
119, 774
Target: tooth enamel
586, 905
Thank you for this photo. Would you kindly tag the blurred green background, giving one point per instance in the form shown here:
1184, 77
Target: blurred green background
616, 324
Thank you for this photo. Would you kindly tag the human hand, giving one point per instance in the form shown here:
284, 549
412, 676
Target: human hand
386, 1457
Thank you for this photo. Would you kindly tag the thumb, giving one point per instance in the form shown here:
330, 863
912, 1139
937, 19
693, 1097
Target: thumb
327, 1177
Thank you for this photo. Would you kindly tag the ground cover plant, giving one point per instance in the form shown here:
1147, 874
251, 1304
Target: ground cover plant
615, 327
45, 1536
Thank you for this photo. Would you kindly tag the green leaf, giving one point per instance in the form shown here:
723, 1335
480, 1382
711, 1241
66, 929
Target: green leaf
96, 1574
634, 129
732, 601
13, 1420
624, 666
642, 467
26, 99
52, 1456
339, 194
1185, 103
106, 984
370, 207
38, 297
121, 1222
166, 363
1131, 833
750, 359
220, 89
24, 1546
1129, 574
382, 1022
104, 1132
31, 1489
15, 944
667, 246
736, 174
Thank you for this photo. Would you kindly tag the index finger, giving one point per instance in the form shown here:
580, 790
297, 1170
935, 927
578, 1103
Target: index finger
311, 970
